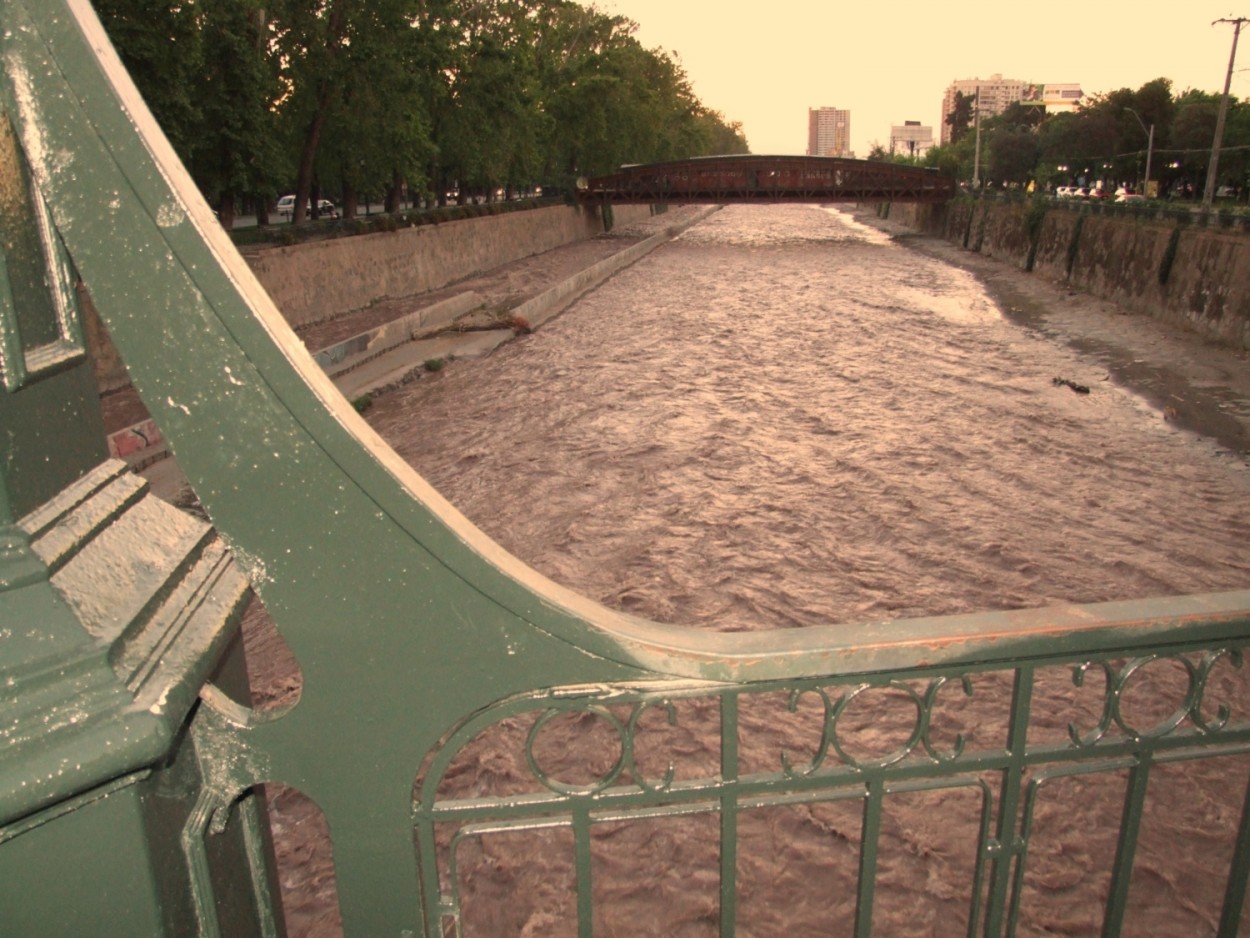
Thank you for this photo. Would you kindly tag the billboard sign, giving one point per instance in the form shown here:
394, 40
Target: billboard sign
1052, 95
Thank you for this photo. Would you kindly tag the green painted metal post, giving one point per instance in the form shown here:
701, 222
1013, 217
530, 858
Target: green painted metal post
729, 817
1006, 851
114, 610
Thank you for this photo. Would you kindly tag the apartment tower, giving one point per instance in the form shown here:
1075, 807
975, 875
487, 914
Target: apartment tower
994, 93
828, 132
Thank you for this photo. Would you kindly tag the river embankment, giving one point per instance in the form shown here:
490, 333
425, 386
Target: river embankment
1192, 376
1191, 270
341, 282
396, 335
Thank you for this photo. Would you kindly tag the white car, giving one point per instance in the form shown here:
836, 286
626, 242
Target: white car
325, 208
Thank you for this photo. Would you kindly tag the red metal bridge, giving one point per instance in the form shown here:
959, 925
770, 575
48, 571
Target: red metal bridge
725, 179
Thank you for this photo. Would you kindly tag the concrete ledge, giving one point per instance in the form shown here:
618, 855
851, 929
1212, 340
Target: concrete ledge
389, 356
404, 363
319, 280
351, 353
549, 303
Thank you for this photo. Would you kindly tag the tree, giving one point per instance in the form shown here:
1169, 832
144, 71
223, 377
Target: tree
1019, 115
376, 138
960, 117
953, 159
1154, 103
1012, 155
589, 62
310, 37
369, 95
238, 151
490, 125
204, 70
159, 43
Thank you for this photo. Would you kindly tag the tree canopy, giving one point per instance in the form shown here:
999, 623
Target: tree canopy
369, 98
1106, 138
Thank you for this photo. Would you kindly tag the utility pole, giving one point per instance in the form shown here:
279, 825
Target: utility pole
1208, 193
1150, 145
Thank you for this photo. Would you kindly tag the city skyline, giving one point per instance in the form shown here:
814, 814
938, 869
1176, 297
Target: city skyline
766, 71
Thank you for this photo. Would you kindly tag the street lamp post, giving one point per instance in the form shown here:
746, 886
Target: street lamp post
1150, 145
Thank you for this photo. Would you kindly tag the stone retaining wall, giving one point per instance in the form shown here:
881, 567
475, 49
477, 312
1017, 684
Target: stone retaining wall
1169, 268
318, 280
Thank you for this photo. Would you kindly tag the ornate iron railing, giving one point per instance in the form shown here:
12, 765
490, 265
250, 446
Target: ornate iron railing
969, 729
453, 698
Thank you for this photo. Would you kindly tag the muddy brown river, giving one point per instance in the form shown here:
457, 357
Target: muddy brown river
783, 418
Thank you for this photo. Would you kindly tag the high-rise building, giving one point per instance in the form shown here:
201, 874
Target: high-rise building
995, 94
910, 139
828, 132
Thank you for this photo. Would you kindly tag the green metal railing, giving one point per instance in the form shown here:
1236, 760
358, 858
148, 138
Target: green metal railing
420, 641
1004, 760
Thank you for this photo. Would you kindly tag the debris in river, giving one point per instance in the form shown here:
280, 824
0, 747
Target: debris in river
1064, 382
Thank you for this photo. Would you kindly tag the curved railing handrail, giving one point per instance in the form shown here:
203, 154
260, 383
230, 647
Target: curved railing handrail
403, 615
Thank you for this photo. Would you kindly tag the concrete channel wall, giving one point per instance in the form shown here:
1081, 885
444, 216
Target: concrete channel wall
318, 280
1171, 268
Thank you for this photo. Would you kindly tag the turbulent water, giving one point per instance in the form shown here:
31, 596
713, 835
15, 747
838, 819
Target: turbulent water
783, 418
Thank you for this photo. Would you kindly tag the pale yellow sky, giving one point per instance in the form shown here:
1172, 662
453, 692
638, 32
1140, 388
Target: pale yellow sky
765, 62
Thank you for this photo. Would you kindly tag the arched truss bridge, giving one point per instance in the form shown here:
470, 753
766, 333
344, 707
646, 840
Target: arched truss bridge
726, 179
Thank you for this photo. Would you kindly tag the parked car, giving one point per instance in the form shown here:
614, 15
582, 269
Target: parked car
1080, 192
1064, 192
325, 208
1099, 194
1130, 197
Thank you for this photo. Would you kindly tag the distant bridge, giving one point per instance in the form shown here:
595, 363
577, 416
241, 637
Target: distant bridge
725, 179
